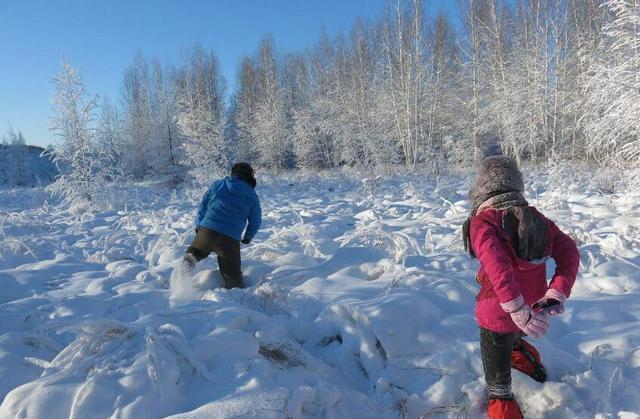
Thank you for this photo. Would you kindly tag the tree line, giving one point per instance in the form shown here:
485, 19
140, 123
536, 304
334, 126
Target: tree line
552, 79
13, 137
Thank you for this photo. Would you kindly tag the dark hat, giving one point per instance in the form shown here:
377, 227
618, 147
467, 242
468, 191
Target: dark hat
245, 172
242, 168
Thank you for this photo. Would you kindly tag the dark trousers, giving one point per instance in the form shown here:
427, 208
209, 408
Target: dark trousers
496, 349
227, 250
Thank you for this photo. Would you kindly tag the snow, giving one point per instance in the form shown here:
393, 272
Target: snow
360, 304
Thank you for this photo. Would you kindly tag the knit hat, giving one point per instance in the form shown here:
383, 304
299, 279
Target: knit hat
245, 172
497, 175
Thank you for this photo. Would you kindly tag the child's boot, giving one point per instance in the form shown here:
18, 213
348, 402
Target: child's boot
526, 359
506, 408
189, 262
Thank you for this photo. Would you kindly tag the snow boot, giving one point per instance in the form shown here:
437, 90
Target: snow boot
232, 281
189, 262
504, 409
526, 359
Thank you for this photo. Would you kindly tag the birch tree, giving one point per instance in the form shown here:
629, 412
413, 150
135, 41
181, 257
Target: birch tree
109, 139
314, 123
270, 130
72, 122
137, 122
245, 109
445, 98
612, 122
200, 108
165, 140
405, 78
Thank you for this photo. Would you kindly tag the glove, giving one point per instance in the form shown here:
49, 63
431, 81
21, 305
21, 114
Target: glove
531, 322
552, 304
245, 241
197, 228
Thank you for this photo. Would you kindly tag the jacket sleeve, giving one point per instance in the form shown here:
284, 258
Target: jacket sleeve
204, 204
493, 254
255, 219
565, 253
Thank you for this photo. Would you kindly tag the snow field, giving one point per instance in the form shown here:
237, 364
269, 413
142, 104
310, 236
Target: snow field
359, 305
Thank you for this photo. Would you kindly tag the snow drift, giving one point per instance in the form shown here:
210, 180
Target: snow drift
360, 304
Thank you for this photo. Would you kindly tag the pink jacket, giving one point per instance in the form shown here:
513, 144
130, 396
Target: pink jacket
503, 277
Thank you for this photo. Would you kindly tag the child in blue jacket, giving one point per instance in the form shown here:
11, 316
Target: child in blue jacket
226, 208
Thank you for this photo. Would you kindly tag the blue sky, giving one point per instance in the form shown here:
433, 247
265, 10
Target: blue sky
101, 37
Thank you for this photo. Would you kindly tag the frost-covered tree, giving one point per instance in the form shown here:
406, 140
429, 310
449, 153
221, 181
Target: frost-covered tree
612, 89
492, 20
201, 114
315, 129
521, 106
533, 101
403, 89
109, 144
137, 121
476, 89
405, 80
72, 121
244, 110
165, 141
17, 154
364, 138
263, 110
271, 131
583, 30
444, 92
13, 137
411, 89
306, 133
314, 142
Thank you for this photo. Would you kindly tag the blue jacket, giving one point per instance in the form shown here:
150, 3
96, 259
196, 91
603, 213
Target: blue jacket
227, 206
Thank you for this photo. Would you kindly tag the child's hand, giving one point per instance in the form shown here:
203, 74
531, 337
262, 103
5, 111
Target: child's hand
531, 322
534, 324
552, 304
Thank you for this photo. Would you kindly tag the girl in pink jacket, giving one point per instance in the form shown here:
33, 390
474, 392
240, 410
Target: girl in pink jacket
512, 241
